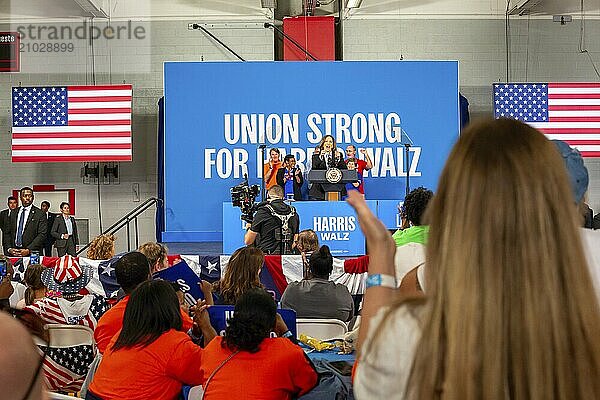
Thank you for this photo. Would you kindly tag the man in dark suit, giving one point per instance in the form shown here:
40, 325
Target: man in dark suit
64, 230
4, 222
27, 227
45, 207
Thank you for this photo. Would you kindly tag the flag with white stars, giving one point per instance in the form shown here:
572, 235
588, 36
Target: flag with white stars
185, 273
65, 368
565, 111
71, 123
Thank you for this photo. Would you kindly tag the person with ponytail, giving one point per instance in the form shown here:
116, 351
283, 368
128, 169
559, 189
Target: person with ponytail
248, 363
35, 287
317, 296
307, 243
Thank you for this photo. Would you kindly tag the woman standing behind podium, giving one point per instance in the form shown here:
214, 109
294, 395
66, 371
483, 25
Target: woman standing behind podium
326, 156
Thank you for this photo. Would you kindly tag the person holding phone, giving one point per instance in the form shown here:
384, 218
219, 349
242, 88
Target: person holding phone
290, 178
10, 292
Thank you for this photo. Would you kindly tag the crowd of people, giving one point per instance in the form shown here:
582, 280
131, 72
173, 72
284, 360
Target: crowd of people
490, 291
287, 175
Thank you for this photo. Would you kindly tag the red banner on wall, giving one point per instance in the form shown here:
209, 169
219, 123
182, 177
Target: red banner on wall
315, 34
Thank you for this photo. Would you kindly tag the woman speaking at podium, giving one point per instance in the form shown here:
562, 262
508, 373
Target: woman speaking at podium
326, 156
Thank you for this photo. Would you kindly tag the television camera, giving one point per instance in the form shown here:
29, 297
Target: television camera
243, 196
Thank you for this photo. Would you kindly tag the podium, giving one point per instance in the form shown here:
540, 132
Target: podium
332, 190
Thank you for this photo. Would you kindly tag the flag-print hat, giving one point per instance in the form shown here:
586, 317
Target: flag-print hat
67, 276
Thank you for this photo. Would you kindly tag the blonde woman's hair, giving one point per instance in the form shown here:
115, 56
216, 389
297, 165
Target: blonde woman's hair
511, 311
154, 252
241, 274
102, 247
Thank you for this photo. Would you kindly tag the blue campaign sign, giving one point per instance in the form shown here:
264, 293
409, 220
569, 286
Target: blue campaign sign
220, 314
387, 212
334, 222
217, 115
186, 278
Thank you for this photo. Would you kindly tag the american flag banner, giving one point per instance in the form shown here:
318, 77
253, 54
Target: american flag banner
567, 111
71, 123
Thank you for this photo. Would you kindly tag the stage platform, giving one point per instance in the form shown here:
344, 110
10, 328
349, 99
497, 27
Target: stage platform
195, 248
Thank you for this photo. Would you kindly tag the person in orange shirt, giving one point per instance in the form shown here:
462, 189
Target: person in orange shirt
151, 358
271, 168
249, 364
130, 270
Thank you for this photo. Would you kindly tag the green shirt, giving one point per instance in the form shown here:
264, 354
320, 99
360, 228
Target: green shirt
414, 234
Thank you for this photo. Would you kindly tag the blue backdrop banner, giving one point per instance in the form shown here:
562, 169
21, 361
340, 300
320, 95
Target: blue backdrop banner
217, 115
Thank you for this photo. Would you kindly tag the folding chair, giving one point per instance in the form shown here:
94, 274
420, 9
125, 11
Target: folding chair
321, 328
70, 335
62, 335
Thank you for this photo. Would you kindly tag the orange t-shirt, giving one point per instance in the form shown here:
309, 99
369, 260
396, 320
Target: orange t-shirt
279, 370
112, 321
273, 179
156, 371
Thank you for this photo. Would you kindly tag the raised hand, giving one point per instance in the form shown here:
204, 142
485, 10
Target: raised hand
382, 247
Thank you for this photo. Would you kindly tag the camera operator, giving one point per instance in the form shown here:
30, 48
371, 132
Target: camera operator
275, 223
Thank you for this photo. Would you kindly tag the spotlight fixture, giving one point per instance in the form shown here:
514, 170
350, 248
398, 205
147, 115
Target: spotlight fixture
353, 3
268, 3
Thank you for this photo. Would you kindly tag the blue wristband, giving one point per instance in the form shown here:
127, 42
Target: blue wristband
383, 280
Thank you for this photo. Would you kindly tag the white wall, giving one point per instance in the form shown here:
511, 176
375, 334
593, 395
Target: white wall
540, 50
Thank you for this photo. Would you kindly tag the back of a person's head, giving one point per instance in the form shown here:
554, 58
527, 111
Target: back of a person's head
19, 362
33, 276
131, 270
102, 247
253, 320
511, 312
308, 241
154, 252
33, 280
152, 310
416, 203
321, 262
576, 169
241, 273
276, 192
